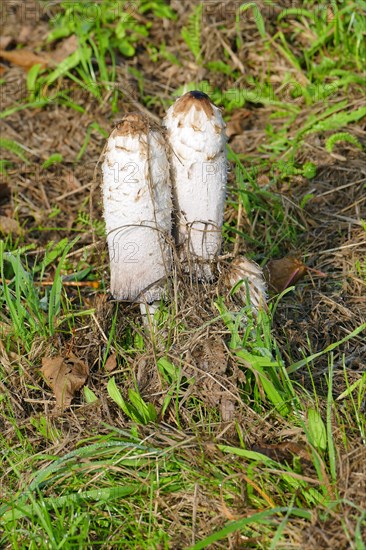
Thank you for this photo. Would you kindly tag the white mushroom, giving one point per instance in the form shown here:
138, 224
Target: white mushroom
137, 210
197, 140
253, 289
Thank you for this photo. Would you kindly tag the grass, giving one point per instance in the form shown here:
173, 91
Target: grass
145, 457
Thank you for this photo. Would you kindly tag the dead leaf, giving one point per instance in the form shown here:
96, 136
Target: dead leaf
263, 180
9, 226
281, 274
111, 363
27, 59
24, 34
238, 122
65, 376
24, 58
227, 408
5, 41
65, 48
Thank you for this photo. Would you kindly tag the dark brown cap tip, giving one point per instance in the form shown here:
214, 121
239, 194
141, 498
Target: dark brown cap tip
199, 99
196, 94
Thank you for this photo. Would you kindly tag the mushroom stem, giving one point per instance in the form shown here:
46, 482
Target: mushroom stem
147, 313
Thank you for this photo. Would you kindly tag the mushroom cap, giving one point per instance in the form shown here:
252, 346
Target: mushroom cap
197, 125
242, 269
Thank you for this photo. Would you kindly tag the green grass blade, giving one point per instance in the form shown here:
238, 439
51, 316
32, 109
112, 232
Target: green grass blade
260, 518
295, 366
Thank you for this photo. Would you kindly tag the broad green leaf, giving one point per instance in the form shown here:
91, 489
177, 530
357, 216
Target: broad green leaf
274, 396
144, 410
115, 394
251, 455
167, 369
257, 16
56, 158
256, 361
67, 64
32, 78
317, 431
297, 12
338, 120
53, 251
89, 395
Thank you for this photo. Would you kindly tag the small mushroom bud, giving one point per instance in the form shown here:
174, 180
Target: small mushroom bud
137, 210
197, 140
253, 289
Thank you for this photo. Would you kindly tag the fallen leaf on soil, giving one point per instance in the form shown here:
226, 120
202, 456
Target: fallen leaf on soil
65, 376
263, 180
9, 226
65, 48
27, 59
111, 363
24, 58
237, 123
227, 408
24, 34
283, 273
5, 41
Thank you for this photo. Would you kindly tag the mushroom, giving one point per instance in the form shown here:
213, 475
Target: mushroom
137, 212
197, 140
253, 289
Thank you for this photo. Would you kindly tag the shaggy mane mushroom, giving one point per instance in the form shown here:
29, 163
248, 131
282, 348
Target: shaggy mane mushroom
137, 210
197, 140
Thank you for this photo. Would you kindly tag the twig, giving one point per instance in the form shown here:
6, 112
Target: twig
91, 284
238, 226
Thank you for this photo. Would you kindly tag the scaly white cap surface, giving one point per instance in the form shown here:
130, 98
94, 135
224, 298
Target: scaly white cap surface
137, 210
198, 158
242, 269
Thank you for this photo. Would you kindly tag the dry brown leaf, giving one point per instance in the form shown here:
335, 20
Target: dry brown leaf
24, 34
24, 58
5, 41
263, 180
238, 122
9, 226
111, 363
65, 48
27, 59
283, 273
65, 376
